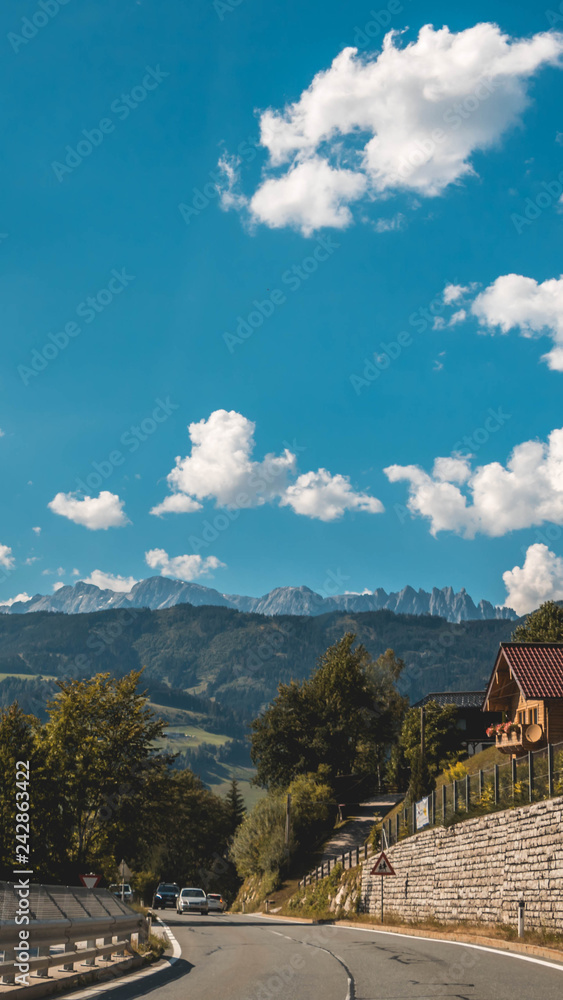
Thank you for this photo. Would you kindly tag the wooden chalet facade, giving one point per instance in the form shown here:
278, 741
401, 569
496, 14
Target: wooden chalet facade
527, 686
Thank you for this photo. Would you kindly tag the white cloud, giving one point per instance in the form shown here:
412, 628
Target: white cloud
95, 513
407, 119
389, 225
309, 196
220, 467
37, 530
458, 317
229, 196
539, 579
107, 581
176, 503
2, 433
57, 586
6, 558
497, 499
535, 309
326, 497
14, 600
454, 292
75, 572
182, 567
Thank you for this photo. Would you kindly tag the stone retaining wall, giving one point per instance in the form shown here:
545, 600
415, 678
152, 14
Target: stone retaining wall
477, 870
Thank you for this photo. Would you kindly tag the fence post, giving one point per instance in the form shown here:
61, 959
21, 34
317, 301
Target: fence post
454, 789
433, 807
550, 768
414, 817
514, 773
365, 852
389, 832
397, 827
444, 803
496, 785
467, 793
530, 776
481, 783
357, 855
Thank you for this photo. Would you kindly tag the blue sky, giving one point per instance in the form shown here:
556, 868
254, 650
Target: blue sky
170, 283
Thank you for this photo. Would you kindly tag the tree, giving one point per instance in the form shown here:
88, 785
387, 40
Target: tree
442, 743
108, 779
235, 805
543, 625
345, 716
259, 846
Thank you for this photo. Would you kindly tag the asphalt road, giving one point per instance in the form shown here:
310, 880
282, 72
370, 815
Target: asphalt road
250, 958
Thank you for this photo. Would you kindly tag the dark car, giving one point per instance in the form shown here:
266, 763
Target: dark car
166, 895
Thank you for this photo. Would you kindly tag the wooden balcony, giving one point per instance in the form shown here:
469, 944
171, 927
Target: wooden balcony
526, 737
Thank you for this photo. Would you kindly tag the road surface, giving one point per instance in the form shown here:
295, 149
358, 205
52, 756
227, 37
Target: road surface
240, 957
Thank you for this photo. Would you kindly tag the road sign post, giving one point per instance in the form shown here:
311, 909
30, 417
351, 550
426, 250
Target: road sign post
382, 867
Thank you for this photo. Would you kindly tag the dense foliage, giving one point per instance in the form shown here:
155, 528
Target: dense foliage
408, 770
236, 659
543, 625
99, 791
343, 718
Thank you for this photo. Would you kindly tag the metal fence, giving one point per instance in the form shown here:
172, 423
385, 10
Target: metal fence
60, 919
534, 777
348, 859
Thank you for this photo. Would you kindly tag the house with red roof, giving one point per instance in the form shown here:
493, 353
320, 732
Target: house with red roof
527, 687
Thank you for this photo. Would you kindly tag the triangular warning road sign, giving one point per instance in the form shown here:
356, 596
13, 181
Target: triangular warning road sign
382, 866
90, 881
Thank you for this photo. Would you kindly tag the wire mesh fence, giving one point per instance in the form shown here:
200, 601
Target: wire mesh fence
532, 777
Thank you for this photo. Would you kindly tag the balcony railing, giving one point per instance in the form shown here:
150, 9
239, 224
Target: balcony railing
523, 738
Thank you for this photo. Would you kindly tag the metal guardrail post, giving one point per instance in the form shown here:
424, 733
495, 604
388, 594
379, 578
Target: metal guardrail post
45, 952
91, 943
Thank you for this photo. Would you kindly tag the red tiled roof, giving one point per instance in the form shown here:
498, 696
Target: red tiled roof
537, 667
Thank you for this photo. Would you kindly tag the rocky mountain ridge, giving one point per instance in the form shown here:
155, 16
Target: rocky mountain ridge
159, 592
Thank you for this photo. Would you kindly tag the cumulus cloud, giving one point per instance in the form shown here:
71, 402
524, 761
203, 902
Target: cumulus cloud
495, 499
182, 567
220, 467
107, 581
6, 558
515, 302
95, 513
407, 119
24, 598
539, 579
326, 497
454, 292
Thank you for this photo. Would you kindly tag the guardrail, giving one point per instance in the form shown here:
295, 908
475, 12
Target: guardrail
349, 859
61, 918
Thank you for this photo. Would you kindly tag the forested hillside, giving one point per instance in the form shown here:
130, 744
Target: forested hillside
229, 664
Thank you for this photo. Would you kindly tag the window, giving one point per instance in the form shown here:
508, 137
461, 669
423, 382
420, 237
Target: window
535, 715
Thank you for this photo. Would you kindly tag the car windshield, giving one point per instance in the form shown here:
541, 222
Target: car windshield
193, 892
167, 888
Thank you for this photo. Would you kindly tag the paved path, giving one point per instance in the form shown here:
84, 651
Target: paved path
236, 957
355, 832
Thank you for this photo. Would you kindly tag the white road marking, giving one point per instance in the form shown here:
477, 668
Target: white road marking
460, 944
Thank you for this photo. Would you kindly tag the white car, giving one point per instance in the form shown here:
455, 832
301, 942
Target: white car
216, 902
192, 901
122, 891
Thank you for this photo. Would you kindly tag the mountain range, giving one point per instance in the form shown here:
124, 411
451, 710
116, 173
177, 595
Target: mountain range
158, 593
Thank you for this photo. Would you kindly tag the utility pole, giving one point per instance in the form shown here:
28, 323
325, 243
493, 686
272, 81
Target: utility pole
422, 732
287, 823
